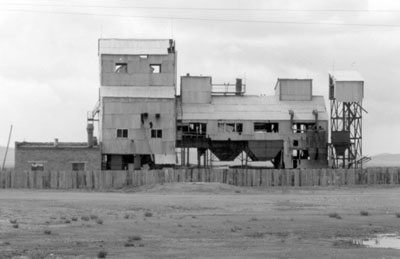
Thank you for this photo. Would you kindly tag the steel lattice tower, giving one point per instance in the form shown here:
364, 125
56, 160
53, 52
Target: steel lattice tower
346, 92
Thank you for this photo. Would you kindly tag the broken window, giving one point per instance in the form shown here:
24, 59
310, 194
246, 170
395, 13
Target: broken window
194, 129
230, 127
120, 68
37, 166
78, 166
155, 68
122, 133
302, 127
270, 127
156, 133
300, 154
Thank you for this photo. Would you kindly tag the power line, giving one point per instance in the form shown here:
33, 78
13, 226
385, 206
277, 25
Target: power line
206, 19
208, 8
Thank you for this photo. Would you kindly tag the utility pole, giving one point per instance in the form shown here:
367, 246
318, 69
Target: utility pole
8, 144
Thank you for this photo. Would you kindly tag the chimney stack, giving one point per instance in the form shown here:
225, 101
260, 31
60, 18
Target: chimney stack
90, 129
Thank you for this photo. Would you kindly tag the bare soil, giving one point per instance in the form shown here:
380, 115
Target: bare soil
197, 220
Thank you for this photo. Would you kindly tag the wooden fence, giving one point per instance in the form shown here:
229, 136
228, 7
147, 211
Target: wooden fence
238, 177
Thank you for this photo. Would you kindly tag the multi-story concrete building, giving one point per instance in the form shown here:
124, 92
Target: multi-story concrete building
142, 121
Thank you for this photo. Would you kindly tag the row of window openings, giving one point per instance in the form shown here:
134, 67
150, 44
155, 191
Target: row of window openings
123, 133
75, 167
122, 68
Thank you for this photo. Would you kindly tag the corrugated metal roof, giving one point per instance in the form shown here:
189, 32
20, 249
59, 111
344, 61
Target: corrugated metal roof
254, 108
346, 75
137, 91
134, 46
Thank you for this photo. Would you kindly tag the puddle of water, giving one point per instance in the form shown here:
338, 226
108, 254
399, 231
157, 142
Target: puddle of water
381, 241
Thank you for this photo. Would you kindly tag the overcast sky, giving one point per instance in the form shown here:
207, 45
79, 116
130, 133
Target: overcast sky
49, 69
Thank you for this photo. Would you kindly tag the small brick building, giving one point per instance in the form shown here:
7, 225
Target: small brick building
56, 156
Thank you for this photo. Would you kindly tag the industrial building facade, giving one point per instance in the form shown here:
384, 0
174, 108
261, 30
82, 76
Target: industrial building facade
143, 122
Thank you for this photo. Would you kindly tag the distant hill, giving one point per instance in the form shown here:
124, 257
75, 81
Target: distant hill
10, 157
387, 160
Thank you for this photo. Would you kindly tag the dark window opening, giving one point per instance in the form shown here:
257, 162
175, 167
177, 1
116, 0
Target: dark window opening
295, 143
121, 68
155, 68
37, 167
270, 127
194, 130
78, 166
122, 133
300, 154
156, 133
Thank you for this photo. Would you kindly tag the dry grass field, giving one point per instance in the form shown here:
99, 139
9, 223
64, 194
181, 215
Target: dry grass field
197, 220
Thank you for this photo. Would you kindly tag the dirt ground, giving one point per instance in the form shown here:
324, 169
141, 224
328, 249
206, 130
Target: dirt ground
197, 220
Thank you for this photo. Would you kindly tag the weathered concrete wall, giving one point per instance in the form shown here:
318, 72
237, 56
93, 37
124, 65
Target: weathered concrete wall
139, 72
57, 158
127, 113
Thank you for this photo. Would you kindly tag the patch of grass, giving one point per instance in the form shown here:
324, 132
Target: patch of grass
235, 229
180, 225
148, 214
63, 217
67, 221
102, 254
128, 244
346, 244
74, 218
38, 255
134, 238
364, 213
255, 235
99, 221
397, 214
126, 216
47, 232
334, 215
85, 218
13, 221
94, 217
141, 245
253, 219
15, 225
237, 191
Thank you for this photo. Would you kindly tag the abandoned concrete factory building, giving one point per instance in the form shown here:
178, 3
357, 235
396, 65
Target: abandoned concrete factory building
142, 121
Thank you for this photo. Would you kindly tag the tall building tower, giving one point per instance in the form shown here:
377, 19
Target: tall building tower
137, 118
346, 93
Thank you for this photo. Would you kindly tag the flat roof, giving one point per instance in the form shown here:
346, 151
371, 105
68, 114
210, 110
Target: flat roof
255, 108
346, 75
25, 144
135, 46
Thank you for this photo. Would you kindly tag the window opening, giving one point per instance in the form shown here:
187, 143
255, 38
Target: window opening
270, 127
122, 133
121, 68
37, 166
155, 68
156, 133
78, 166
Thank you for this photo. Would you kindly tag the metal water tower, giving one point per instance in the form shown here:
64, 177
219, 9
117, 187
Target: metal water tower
346, 93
